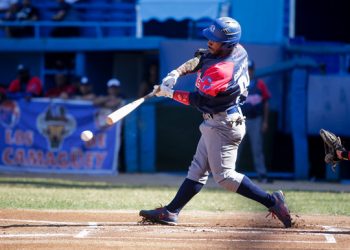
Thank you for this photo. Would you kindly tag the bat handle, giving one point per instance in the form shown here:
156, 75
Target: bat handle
153, 93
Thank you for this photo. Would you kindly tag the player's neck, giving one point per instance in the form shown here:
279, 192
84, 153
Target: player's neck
223, 53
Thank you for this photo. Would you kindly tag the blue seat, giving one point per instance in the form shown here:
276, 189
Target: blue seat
94, 16
2, 33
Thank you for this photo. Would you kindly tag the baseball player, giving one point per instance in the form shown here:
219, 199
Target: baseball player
220, 88
256, 111
334, 150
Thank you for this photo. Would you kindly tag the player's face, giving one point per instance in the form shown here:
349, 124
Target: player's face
214, 47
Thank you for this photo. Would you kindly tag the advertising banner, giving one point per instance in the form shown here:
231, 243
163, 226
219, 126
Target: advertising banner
43, 135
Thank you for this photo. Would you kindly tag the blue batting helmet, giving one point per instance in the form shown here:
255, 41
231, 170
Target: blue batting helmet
224, 30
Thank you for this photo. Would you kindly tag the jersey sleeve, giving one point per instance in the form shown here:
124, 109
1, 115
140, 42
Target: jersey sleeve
215, 79
264, 90
188, 98
182, 97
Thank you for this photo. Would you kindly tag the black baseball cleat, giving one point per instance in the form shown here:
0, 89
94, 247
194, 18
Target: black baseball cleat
159, 215
280, 209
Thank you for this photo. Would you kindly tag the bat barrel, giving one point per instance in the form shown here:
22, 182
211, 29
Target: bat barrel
123, 111
109, 120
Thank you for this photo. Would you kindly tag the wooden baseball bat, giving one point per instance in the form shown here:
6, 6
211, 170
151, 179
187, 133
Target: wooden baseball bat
120, 113
125, 110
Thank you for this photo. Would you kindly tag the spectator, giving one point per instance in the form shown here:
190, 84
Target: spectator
256, 111
151, 78
25, 84
64, 13
2, 93
85, 90
114, 98
76, 81
5, 5
10, 11
62, 89
24, 12
10, 15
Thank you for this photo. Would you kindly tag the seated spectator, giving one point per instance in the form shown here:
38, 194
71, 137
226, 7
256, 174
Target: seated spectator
114, 98
10, 15
62, 89
150, 79
64, 13
85, 90
2, 93
5, 5
11, 11
24, 12
76, 80
25, 85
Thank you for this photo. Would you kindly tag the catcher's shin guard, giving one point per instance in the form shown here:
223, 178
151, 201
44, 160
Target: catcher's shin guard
280, 209
159, 215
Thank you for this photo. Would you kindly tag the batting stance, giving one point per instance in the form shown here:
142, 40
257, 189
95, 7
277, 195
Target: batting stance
221, 86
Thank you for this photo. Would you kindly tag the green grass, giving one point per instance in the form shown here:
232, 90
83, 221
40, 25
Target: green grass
34, 193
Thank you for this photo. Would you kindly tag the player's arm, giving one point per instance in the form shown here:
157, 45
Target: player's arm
188, 67
214, 80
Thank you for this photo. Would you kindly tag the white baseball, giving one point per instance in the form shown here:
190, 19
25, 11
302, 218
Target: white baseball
86, 135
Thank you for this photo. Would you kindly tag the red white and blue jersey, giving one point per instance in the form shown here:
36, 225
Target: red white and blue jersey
220, 82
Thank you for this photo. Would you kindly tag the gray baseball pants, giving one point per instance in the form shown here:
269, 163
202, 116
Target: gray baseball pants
217, 150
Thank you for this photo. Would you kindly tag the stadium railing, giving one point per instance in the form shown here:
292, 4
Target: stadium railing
94, 19
96, 29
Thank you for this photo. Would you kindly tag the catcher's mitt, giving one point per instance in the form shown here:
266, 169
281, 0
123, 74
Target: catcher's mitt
331, 144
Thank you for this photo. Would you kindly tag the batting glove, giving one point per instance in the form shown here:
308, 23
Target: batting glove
170, 79
163, 91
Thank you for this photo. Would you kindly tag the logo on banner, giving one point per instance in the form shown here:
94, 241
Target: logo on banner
9, 113
55, 124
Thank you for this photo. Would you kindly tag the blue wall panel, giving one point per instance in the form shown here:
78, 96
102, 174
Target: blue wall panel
261, 21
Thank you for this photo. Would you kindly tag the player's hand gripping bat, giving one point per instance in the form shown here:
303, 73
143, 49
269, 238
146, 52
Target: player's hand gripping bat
185, 68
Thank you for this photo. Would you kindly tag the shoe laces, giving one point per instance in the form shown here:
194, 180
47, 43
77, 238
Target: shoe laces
272, 214
160, 207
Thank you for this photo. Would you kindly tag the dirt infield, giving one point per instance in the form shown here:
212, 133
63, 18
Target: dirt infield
31, 229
